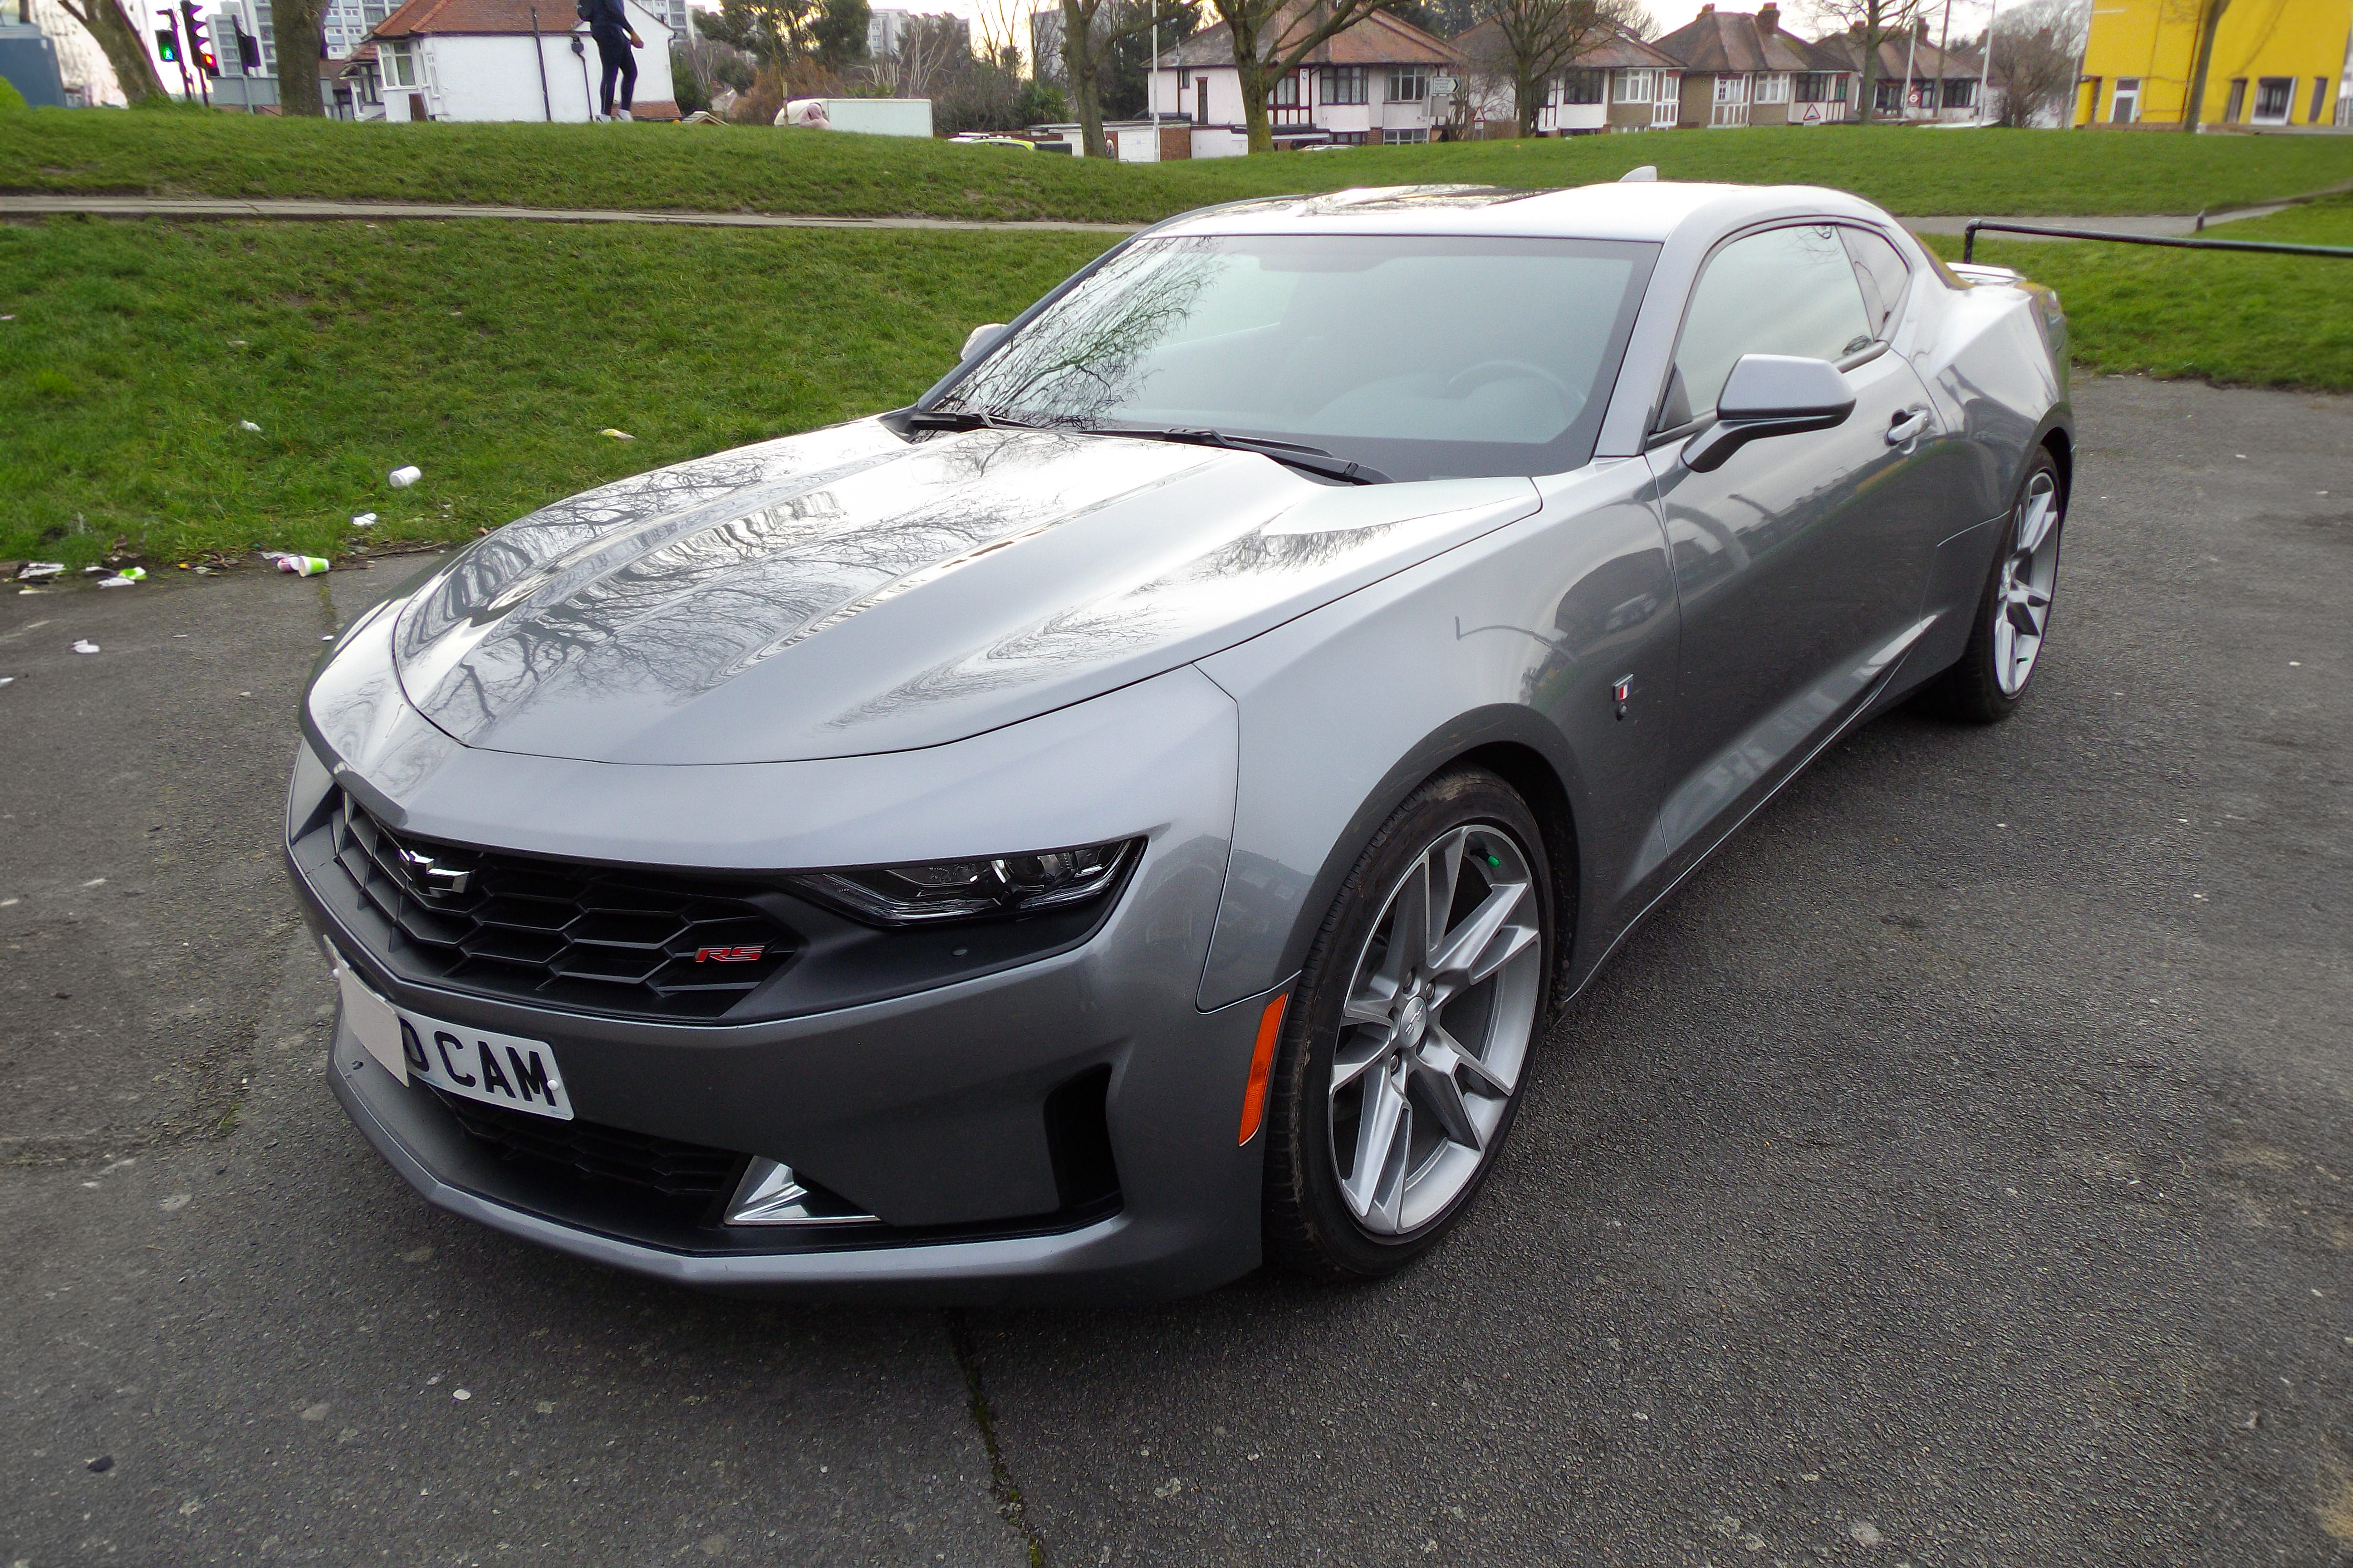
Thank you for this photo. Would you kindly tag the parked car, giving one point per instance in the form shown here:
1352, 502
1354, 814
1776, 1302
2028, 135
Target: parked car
1131, 815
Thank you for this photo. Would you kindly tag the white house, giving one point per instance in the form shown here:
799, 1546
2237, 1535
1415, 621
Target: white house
510, 59
1617, 82
1368, 84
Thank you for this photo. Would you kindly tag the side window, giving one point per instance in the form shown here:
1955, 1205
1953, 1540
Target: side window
1881, 268
1784, 291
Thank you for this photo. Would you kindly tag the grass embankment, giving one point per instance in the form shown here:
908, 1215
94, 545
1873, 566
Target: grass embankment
2226, 316
739, 168
489, 354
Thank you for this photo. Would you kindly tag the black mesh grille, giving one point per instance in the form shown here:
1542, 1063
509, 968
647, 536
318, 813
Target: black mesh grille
594, 1152
604, 939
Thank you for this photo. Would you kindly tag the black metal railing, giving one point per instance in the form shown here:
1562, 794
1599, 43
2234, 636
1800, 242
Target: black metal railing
1970, 240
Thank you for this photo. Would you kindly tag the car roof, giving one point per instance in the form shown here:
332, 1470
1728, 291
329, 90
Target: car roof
1641, 210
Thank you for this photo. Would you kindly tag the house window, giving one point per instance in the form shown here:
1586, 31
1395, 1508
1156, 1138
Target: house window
1403, 138
1347, 139
1636, 86
2231, 110
1814, 87
1960, 92
1732, 89
2275, 95
1286, 93
400, 65
2126, 107
1408, 84
1581, 86
1773, 87
1888, 95
1343, 84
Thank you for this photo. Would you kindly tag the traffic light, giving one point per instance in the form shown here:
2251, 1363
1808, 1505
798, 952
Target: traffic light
248, 48
167, 44
200, 49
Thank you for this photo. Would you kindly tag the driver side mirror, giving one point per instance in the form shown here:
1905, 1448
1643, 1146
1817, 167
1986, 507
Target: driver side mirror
1769, 394
980, 340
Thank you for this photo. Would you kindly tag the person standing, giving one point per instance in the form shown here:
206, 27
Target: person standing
608, 24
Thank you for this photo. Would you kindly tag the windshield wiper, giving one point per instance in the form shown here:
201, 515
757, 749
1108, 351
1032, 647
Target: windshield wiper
912, 419
1308, 459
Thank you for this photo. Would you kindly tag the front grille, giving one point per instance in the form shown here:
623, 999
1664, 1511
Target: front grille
598, 1153
603, 938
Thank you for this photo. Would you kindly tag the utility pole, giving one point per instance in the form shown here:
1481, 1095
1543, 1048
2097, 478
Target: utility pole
1985, 66
1944, 36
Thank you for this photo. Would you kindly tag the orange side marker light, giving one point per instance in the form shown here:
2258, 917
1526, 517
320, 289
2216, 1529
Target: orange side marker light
1270, 1030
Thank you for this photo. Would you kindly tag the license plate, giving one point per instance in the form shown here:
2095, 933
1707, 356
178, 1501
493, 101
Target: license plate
458, 1058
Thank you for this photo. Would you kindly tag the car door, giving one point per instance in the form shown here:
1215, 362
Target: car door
1801, 563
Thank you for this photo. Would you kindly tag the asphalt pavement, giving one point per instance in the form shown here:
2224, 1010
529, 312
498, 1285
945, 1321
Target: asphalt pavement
1958, 1170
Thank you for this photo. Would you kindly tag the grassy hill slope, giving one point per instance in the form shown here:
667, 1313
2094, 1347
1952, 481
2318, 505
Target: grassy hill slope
738, 168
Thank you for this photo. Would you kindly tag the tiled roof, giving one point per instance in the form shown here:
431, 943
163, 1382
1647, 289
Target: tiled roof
1378, 39
1612, 49
420, 18
1730, 42
1843, 51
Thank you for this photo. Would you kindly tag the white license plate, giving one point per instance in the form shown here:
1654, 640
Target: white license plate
477, 1064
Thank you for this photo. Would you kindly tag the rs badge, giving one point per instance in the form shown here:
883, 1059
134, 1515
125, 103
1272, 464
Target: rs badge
729, 954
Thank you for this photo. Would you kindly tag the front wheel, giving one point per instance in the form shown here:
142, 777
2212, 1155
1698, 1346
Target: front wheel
1409, 1032
2014, 612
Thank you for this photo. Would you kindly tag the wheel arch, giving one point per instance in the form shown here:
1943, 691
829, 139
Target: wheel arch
1518, 745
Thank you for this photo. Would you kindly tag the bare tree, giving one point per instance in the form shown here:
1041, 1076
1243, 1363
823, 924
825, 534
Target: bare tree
301, 39
1482, 76
1869, 24
2209, 22
1540, 38
1272, 37
1091, 29
929, 49
126, 50
2037, 55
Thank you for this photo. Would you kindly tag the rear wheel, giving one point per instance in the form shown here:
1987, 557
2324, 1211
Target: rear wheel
1409, 1032
2014, 612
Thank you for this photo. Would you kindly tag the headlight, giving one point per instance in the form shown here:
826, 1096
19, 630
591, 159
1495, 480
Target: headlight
972, 890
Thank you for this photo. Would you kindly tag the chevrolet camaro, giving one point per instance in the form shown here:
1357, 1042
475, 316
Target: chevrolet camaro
1131, 815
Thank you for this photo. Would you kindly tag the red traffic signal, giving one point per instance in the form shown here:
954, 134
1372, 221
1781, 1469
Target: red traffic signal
200, 49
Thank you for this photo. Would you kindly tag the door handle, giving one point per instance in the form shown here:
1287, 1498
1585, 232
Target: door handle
1907, 423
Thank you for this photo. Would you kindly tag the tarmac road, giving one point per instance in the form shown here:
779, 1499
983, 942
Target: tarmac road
1959, 1171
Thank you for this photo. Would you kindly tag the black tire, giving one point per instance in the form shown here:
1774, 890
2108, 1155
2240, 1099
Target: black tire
1972, 691
1309, 1228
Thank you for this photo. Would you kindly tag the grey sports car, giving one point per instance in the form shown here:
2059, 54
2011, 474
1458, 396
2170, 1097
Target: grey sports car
1131, 815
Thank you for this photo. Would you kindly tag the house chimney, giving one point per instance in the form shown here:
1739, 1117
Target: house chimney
1708, 10
1768, 17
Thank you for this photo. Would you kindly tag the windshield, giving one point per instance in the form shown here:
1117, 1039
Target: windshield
1424, 357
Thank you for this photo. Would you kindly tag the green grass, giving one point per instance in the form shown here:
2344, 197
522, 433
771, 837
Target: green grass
489, 354
739, 168
2224, 316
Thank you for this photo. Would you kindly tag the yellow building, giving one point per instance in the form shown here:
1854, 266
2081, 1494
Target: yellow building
2274, 62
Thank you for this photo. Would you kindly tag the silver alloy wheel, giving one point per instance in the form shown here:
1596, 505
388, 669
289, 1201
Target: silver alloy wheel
1435, 1030
2023, 606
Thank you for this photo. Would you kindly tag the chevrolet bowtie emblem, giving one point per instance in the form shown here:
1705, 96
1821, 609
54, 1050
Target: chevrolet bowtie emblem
433, 878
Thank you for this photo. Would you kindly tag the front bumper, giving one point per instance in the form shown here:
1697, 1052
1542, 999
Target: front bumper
929, 1110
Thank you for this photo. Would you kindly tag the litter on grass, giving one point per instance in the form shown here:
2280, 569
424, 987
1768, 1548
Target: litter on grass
124, 578
617, 435
248, 424
364, 519
301, 566
83, 645
35, 571
405, 476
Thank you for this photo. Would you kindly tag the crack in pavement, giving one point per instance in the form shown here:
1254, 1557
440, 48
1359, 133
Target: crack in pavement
1010, 1502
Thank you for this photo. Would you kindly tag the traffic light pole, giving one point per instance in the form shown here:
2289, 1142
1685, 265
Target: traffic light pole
168, 38
198, 46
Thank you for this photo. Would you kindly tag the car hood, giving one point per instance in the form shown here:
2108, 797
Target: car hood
849, 592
